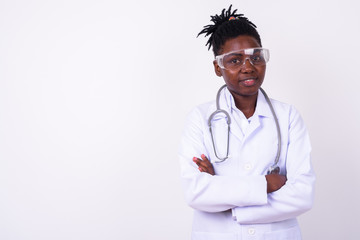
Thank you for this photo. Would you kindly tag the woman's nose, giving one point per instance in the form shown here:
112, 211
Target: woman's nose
247, 66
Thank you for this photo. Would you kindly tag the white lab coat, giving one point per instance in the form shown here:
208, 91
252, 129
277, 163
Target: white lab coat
233, 204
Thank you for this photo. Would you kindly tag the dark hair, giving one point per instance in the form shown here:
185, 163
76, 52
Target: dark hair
225, 28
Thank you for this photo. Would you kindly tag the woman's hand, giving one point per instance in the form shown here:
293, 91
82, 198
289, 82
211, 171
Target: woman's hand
204, 164
275, 182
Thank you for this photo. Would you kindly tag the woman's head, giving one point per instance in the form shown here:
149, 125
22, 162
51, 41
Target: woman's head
239, 56
228, 25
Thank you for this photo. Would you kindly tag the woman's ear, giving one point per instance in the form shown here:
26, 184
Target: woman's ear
217, 69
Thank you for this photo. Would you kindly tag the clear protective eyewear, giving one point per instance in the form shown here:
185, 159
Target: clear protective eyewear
236, 59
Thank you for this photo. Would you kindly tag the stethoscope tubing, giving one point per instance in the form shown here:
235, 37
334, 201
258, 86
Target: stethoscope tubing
274, 168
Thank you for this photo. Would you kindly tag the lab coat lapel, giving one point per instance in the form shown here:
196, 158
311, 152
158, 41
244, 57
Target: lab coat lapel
236, 131
262, 110
254, 124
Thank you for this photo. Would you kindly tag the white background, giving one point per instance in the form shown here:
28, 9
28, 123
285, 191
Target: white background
93, 96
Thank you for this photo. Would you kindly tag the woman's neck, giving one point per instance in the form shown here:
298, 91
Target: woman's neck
246, 104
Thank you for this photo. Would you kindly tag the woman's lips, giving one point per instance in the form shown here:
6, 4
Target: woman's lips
248, 82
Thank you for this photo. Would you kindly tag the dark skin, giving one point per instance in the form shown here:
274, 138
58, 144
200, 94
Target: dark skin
244, 93
243, 85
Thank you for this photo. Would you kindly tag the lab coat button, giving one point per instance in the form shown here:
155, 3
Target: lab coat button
247, 166
251, 231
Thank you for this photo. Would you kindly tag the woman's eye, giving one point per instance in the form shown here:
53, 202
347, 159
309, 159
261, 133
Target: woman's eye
256, 58
235, 60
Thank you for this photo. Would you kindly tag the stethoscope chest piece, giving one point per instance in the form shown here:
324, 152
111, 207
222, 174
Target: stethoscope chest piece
275, 169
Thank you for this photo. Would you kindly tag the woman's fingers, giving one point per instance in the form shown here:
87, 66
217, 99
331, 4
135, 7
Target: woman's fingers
208, 164
204, 158
275, 182
204, 164
201, 164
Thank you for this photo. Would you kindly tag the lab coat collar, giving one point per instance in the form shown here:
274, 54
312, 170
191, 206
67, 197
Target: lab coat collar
227, 103
262, 108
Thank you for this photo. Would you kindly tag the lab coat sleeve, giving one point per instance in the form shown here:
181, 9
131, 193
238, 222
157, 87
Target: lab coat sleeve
209, 193
296, 196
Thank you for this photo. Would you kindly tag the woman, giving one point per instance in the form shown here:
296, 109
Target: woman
225, 172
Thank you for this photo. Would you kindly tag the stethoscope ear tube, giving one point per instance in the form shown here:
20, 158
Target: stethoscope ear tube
274, 168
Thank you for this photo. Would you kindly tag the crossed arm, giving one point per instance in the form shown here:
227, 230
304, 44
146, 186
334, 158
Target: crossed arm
274, 181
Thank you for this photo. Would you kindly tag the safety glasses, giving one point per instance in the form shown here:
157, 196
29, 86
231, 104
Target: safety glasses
236, 59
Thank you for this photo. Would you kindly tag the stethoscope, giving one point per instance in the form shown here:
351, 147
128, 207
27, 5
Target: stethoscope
272, 169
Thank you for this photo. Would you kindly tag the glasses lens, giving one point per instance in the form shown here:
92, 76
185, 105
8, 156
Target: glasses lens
256, 56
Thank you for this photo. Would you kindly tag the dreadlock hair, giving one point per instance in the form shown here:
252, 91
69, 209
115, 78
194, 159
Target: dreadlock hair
226, 26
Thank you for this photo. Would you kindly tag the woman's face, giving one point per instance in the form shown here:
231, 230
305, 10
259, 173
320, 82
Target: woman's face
247, 80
